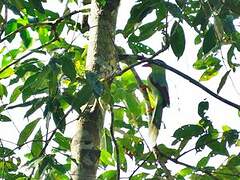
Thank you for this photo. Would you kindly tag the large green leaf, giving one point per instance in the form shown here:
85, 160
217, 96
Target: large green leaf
63, 142
37, 144
68, 67
188, 131
11, 26
27, 131
209, 41
110, 174
177, 39
25, 35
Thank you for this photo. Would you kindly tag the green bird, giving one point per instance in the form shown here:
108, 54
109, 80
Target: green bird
157, 84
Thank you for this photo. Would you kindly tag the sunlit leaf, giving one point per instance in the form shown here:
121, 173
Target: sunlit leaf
26, 132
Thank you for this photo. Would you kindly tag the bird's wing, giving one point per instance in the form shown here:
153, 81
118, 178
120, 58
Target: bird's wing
163, 89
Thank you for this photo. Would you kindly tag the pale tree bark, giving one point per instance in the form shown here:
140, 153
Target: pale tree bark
101, 59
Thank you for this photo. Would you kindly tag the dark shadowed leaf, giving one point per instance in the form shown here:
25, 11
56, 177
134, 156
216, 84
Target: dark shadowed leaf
209, 41
11, 26
188, 131
177, 39
4, 118
174, 9
223, 81
202, 108
218, 148
36, 4
6, 152
69, 68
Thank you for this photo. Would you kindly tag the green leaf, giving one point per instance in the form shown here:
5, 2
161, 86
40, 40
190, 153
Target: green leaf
147, 30
233, 5
58, 114
69, 68
36, 4
3, 91
6, 152
174, 10
4, 118
47, 161
177, 39
7, 73
138, 12
15, 94
82, 96
234, 161
223, 81
106, 142
111, 174
203, 162
26, 132
63, 142
9, 57
140, 176
185, 172
11, 26
231, 136
106, 158
218, 148
188, 131
138, 47
6, 166
202, 108
209, 41
37, 144
35, 106
25, 35
43, 35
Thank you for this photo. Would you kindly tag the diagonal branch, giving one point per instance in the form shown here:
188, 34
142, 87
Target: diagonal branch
175, 71
26, 55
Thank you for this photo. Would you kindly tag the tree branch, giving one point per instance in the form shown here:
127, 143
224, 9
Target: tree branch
28, 54
115, 143
179, 73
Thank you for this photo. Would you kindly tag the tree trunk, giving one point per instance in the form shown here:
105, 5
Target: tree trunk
101, 59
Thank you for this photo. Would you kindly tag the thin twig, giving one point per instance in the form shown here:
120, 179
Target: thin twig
28, 54
140, 165
115, 143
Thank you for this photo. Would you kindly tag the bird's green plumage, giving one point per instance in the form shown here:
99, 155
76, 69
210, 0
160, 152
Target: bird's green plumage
158, 86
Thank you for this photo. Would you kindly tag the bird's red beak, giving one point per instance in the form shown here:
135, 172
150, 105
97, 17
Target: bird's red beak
146, 65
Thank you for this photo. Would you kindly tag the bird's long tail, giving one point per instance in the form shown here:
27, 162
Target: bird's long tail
155, 123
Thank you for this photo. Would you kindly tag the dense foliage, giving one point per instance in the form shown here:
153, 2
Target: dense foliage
43, 73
